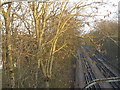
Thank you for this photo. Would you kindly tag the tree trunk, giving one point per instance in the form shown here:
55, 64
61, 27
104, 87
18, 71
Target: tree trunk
47, 82
9, 46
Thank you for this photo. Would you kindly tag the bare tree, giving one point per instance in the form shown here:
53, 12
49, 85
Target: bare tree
36, 35
9, 57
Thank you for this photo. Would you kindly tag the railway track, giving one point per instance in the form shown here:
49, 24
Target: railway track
89, 74
104, 60
106, 72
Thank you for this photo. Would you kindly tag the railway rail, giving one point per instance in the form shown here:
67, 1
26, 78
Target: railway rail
106, 72
89, 74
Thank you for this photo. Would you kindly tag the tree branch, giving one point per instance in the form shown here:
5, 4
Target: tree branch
4, 4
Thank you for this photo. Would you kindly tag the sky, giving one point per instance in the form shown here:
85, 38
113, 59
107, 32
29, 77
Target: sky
101, 10
110, 8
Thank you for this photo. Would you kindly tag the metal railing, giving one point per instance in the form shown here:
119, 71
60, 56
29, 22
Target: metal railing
104, 80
